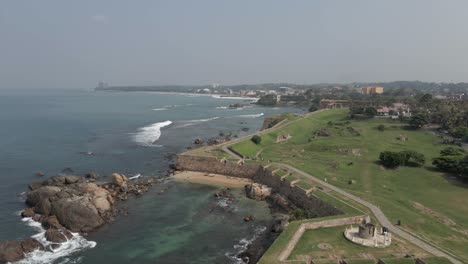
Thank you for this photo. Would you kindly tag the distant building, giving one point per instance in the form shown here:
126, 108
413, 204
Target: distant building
372, 90
394, 111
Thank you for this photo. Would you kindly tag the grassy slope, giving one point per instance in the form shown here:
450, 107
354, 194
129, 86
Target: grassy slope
308, 245
392, 190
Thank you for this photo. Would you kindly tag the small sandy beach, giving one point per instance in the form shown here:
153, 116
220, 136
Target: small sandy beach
211, 179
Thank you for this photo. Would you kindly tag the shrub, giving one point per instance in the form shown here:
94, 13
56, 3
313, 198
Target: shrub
419, 120
381, 127
392, 159
256, 139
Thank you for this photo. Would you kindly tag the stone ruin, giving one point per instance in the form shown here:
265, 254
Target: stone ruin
283, 137
369, 235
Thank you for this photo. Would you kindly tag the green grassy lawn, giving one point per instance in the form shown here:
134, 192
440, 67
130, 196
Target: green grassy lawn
395, 190
399, 261
341, 247
436, 260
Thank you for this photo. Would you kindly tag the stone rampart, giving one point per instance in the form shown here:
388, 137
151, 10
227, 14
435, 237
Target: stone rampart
295, 194
314, 225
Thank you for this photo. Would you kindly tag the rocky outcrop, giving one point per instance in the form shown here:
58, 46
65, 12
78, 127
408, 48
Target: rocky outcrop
77, 205
11, 251
77, 214
257, 191
74, 203
58, 235
119, 179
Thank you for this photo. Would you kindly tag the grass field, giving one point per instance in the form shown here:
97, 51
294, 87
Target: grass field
341, 248
425, 201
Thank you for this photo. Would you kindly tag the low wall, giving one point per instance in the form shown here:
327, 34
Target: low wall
295, 194
314, 225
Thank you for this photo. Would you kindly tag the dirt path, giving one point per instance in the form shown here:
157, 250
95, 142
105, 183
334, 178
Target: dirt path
384, 221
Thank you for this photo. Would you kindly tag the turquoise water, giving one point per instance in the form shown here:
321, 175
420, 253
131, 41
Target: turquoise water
48, 131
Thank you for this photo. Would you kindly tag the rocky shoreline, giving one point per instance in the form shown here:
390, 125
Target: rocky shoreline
66, 204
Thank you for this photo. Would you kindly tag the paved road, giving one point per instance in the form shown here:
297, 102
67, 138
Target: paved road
379, 215
384, 221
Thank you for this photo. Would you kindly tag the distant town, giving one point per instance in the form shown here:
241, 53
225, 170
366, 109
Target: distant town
318, 96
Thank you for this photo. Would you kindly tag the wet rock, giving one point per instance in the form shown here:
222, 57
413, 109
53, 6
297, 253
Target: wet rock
34, 186
10, 251
280, 223
35, 197
77, 214
40, 174
224, 193
257, 191
58, 235
28, 212
30, 244
119, 179
198, 141
51, 222
91, 175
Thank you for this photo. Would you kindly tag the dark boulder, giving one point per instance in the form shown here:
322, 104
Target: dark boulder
92, 175
77, 214
31, 244
10, 251
35, 197
28, 212
58, 235
51, 222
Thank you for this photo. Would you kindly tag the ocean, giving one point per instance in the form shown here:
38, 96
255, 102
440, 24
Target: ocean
132, 133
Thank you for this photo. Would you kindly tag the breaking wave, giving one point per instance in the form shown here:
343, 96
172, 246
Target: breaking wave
242, 246
193, 122
75, 244
251, 116
148, 135
159, 109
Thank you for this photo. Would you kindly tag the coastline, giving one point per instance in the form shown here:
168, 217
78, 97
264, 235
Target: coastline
210, 179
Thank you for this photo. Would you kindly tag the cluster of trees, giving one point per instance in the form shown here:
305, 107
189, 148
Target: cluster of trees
452, 116
391, 159
367, 111
267, 100
453, 160
256, 139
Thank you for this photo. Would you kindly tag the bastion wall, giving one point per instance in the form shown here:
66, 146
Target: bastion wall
295, 194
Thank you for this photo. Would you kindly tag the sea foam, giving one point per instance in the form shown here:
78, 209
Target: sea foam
49, 255
242, 246
148, 135
251, 116
180, 124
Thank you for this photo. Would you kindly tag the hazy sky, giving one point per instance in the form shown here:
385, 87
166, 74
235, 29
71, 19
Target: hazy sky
75, 44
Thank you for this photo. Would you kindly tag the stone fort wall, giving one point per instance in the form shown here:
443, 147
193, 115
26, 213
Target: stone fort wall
295, 194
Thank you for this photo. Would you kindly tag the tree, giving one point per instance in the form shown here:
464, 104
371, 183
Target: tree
370, 111
256, 139
410, 157
391, 159
426, 99
313, 108
452, 151
418, 120
452, 160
